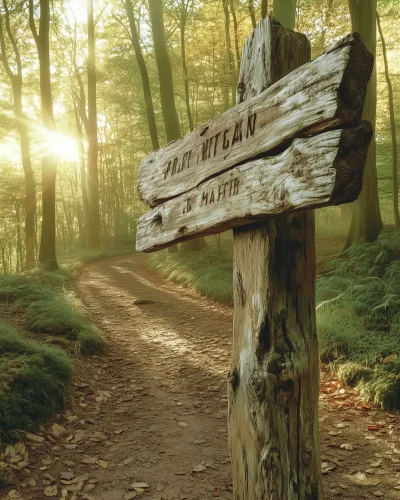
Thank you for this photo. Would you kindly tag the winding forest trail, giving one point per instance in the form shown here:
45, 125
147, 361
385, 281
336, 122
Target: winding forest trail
153, 409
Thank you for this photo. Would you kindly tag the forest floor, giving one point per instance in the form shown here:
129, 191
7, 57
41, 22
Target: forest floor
148, 419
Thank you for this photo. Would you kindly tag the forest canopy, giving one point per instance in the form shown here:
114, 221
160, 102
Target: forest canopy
88, 89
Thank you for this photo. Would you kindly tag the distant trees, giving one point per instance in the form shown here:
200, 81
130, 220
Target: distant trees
151, 120
93, 230
168, 106
392, 129
252, 13
15, 76
182, 78
47, 253
366, 221
285, 12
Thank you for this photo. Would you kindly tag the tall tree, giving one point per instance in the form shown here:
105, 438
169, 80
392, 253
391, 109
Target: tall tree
184, 12
151, 120
285, 12
235, 32
252, 13
167, 94
366, 221
47, 252
23, 130
264, 9
94, 238
229, 54
392, 129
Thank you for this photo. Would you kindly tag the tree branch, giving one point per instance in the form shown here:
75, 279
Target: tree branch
32, 24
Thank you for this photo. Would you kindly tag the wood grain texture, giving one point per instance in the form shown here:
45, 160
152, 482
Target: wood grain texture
323, 94
314, 172
273, 385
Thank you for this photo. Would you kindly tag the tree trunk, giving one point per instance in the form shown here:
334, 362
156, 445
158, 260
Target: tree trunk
83, 177
285, 12
366, 222
30, 188
393, 130
264, 9
167, 94
184, 65
93, 176
19, 240
228, 47
252, 13
235, 31
273, 385
151, 120
47, 252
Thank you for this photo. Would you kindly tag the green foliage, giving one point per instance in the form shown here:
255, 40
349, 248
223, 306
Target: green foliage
46, 307
359, 317
208, 272
34, 381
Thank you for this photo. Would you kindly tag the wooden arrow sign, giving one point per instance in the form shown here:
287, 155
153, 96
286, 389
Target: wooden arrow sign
326, 93
315, 172
201, 184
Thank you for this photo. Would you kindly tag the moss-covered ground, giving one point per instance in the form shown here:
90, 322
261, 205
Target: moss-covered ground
44, 326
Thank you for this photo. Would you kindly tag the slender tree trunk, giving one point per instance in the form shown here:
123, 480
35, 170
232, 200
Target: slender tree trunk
168, 106
94, 240
252, 13
151, 120
366, 222
235, 31
228, 47
167, 94
3, 258
83, 177
30, 188
285, 12
393, 129
184, 66
264, 9
47, 252
19, 240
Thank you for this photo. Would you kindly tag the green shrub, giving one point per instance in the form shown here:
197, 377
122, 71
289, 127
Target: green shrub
358, 317
47, 307
34, 381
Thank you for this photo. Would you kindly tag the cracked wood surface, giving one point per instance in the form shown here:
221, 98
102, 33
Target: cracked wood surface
326, 93
273, 383
314, 172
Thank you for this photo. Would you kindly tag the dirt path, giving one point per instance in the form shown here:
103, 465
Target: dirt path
153, 410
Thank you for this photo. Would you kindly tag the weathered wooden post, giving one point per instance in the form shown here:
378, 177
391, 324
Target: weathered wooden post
274, 383
294, 142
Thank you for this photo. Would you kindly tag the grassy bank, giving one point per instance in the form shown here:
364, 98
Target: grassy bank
358, 301
44, 327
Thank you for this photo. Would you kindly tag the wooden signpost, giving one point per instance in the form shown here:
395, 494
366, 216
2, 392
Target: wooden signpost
294, 142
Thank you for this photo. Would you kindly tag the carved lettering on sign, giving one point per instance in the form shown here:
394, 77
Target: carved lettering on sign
212, 146
227, 189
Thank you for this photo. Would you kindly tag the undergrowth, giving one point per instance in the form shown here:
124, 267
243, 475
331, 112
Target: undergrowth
34, 381
48, 306
35, 357
358, 312
208, 272
359, 318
